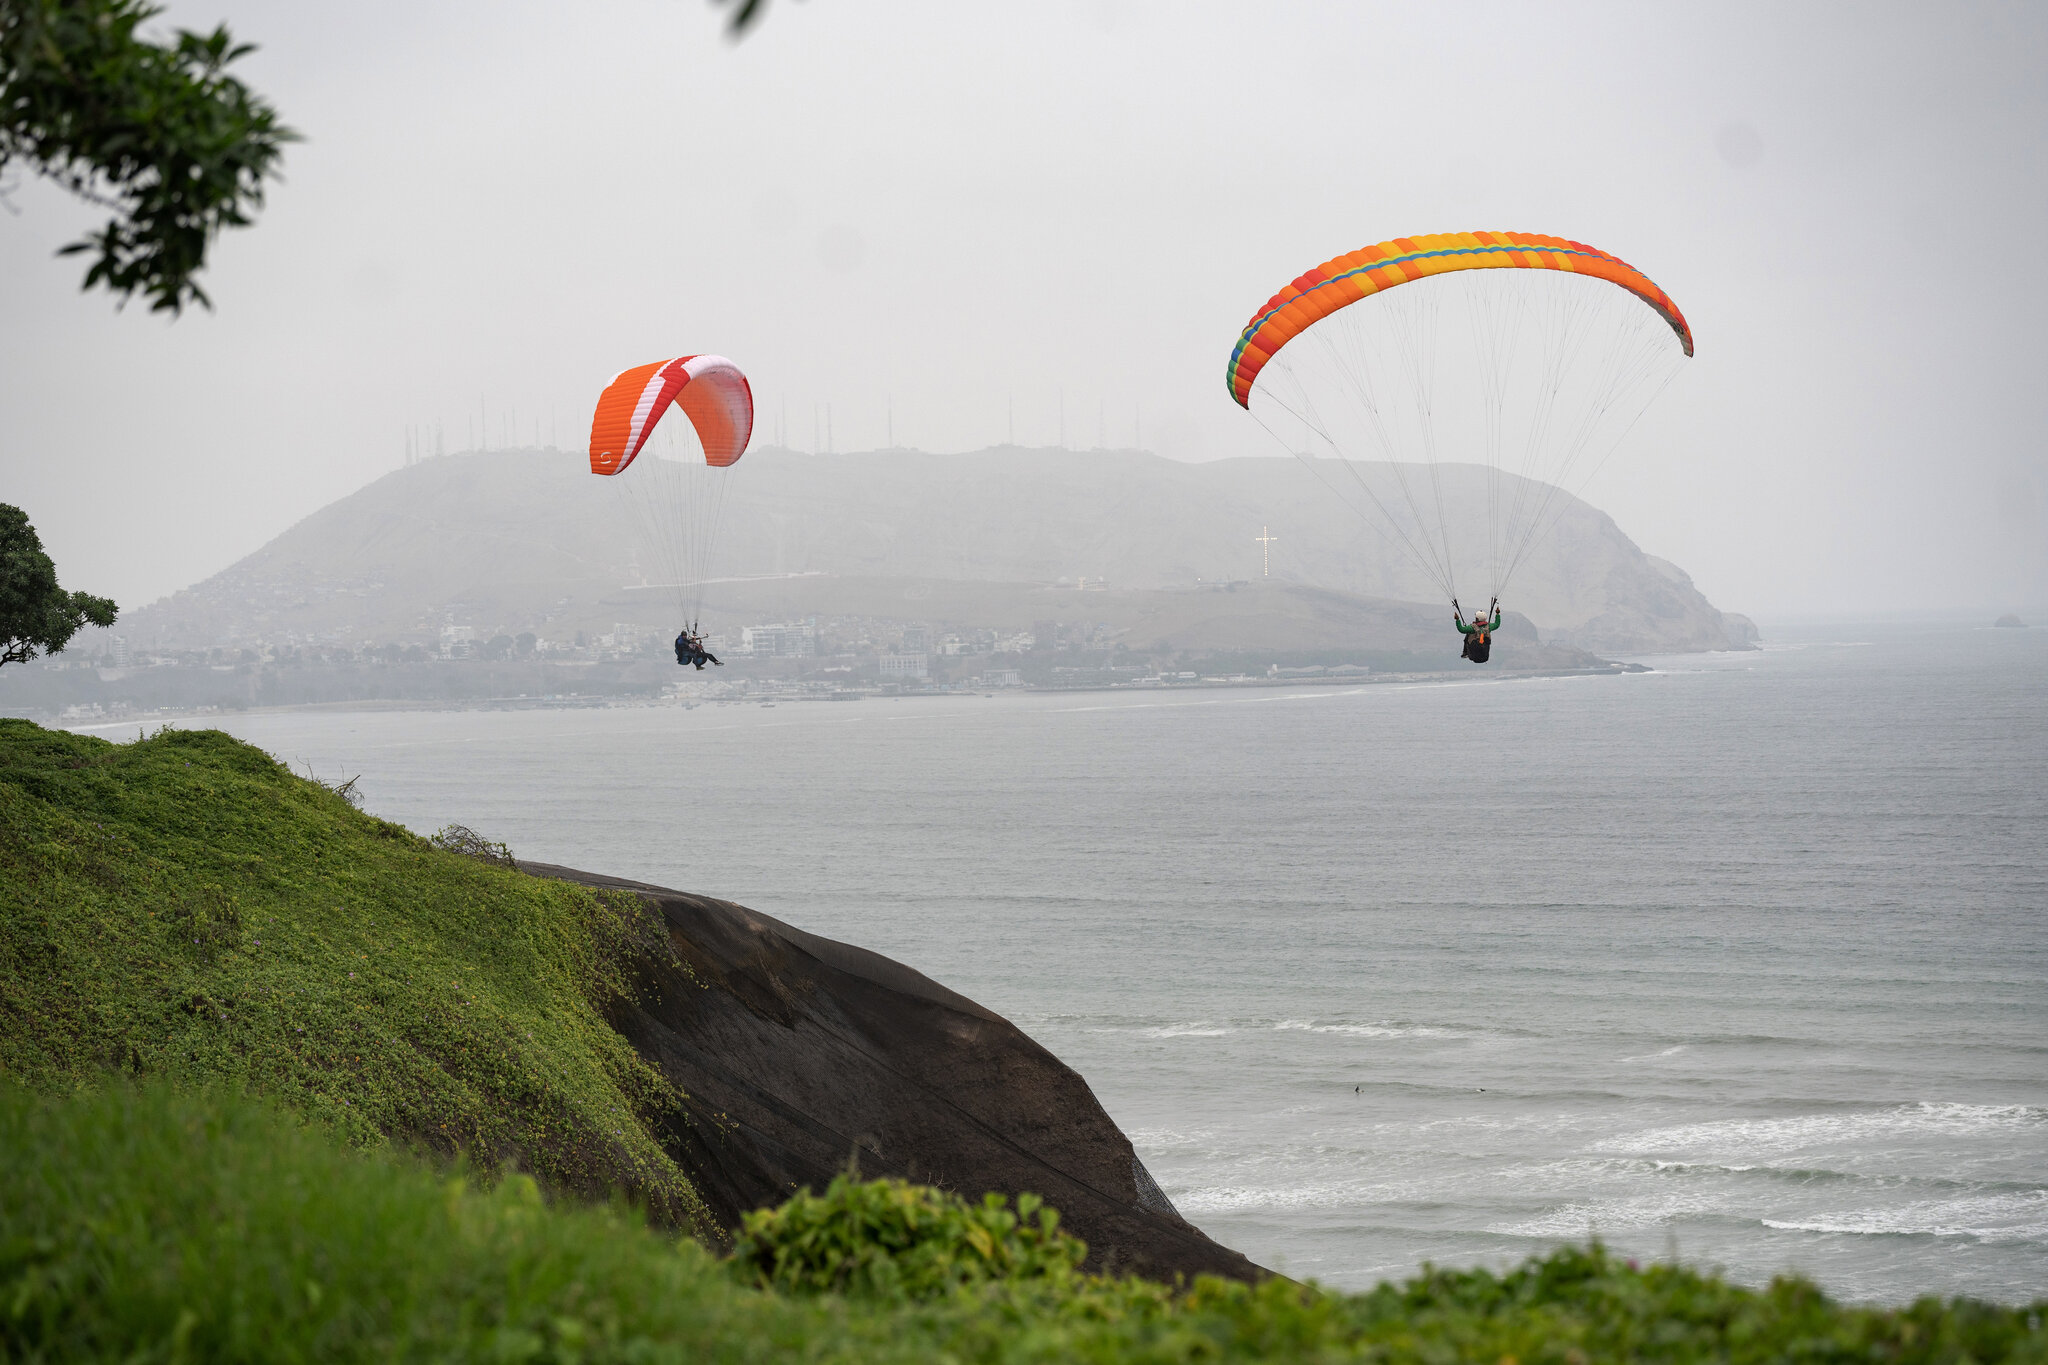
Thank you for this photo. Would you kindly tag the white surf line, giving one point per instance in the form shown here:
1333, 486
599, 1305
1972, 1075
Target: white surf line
738, 578
1270, 695
195, 722
1213, 701
1364, 689
696, 729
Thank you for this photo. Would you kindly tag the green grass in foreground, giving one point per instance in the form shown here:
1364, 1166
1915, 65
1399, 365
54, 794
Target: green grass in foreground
160, 1224
185, 907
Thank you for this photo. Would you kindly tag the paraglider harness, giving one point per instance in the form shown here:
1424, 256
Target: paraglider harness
690, 649
1478, 635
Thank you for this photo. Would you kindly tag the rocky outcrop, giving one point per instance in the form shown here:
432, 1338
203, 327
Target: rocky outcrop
1656, 613
799, 1055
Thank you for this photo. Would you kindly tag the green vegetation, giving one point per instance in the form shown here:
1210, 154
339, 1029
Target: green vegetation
893, 1240
270, 1071
156, 131
162, 1224
35, 614
185, 907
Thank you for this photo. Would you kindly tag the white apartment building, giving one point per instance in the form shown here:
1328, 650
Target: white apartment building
783, 640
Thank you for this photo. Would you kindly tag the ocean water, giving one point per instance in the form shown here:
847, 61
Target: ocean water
1743, 960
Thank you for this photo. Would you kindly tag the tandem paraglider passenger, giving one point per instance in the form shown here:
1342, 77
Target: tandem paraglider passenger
674, 501
1479, 634
690, 650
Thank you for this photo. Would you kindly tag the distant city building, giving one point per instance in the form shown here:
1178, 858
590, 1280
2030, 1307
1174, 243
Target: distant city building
897, 667
117, 651
1021, 643
917, 640
458, 642
783, 640
1001, 677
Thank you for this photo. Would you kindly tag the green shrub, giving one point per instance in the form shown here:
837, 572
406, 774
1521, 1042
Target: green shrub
160, 1223
888, 1239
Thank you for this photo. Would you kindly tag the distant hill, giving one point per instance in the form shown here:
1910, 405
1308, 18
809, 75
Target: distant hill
529, 540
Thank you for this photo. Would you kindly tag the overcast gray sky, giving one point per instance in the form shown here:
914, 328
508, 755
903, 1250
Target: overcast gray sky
943, 208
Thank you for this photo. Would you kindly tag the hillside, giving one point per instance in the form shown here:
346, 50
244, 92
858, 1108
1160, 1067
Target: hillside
184, 909
529, 541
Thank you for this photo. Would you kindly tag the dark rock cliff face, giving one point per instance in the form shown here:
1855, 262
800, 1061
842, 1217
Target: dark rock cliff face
797, 1053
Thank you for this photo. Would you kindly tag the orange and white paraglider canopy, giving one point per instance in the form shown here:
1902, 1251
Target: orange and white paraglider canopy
710, 390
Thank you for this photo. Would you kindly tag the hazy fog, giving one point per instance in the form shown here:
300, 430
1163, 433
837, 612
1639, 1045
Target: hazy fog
948, 212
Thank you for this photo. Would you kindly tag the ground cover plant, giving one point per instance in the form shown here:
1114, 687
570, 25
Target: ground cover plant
159, 1223
186, 907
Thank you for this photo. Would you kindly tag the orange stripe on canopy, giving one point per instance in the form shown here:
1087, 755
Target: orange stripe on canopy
1346, 279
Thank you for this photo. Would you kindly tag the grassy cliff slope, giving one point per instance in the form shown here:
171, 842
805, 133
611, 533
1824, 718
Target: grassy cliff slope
185, 907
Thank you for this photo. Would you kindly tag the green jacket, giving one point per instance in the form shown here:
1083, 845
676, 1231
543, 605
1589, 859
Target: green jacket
1480, 625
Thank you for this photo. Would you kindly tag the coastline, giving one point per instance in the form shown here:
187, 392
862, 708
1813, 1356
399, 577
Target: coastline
627, 701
